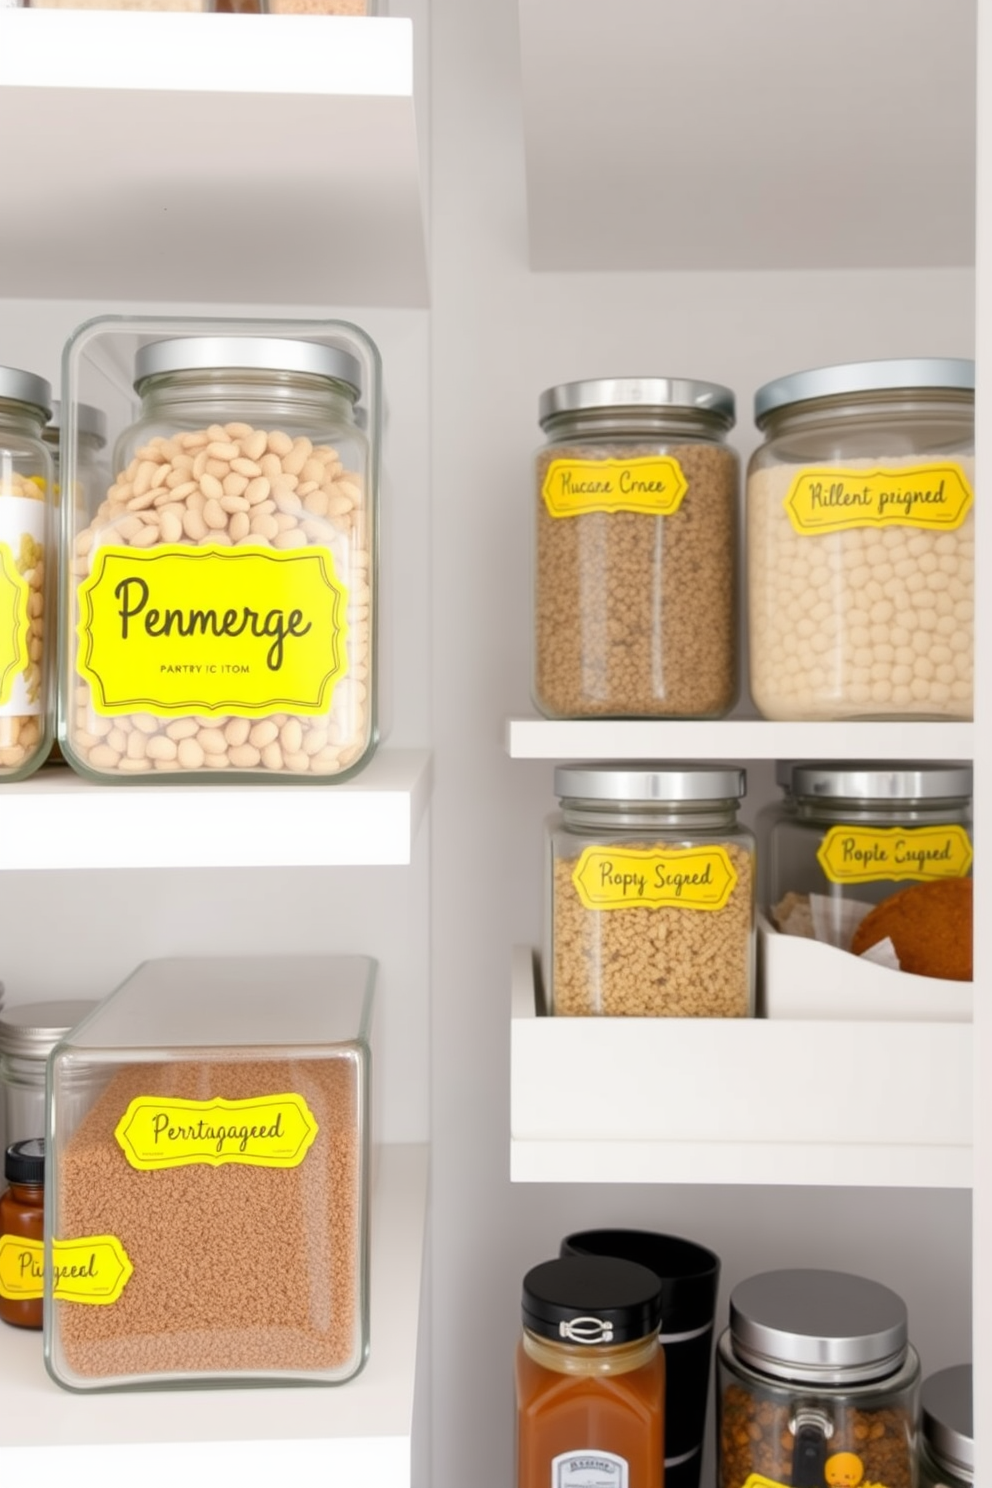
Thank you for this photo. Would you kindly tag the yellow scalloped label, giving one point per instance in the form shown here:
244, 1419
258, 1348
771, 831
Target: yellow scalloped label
645, 878
832, 499
94, 1270
14, 622
174, 630
22, 1268
854, 854
274, 1131
652, 484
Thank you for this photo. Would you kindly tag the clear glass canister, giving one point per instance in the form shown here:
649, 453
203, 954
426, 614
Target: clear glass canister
651, 893
28, 1034
92, 470
947, 1438
26, 537
220, 605
817, 1384
861, 542
635, 569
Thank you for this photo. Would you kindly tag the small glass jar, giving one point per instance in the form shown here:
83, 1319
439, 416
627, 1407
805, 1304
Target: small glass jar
590, 1376
28, 1034
817, 1384
635, 569
92, 471
947, 1438
22, 1235
219, 620
651, 893
860, 534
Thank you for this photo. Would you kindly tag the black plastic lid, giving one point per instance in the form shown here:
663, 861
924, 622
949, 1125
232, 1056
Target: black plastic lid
591, 1300
25, 1161
688, 1272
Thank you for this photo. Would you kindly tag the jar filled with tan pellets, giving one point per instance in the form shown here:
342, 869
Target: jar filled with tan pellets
651, 902
861, 542
817, 1384
26, 538
220, 613
635, 608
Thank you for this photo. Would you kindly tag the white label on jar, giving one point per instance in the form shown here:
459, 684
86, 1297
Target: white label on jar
590, 1469
22, 530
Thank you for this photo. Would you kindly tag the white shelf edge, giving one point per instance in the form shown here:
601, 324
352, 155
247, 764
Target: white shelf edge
734, 738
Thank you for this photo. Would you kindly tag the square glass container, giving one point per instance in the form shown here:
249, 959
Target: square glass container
207, 1182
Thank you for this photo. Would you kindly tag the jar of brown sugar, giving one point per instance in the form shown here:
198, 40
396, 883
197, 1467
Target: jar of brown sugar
651, 893
636, 550
817, 1384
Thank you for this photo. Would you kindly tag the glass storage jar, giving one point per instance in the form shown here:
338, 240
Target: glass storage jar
219, 620
651, 893
860, 535
22, 1234
947, 1436
635, 570
92, 470
28, 1033
817, 1384
590, 1376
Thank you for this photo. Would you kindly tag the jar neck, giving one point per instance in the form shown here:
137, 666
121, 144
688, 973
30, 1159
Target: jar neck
635, 424
27, 1193
590, 1359
180, 395
898, 405
635, 816
21, 418
887, 813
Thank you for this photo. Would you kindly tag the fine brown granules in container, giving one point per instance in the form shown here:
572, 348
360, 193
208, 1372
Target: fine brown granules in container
635, 615
236, 1268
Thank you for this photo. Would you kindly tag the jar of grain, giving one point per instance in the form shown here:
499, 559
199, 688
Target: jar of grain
947, 1438
92, 474
817, 1383
221, 614
635, 608
651, 882
861, 542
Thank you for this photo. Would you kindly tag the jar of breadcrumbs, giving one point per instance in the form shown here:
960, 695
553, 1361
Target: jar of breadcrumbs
221, 614
861, 542
635, 609
651, 893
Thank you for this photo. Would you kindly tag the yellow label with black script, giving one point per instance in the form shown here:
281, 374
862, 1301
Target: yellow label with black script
14, 622
178, 630
650, 878
94, 1270
652, 484
831, 499
22, 1269
855, 854
274, 1131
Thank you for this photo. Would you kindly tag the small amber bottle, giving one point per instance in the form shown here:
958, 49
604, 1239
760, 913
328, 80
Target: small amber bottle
22, 1234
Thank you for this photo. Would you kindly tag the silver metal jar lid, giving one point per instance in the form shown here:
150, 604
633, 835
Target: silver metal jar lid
863, 377
882, 781
89, 420
31, 1030
257, 353
638, 393
25, 387
948, 1420
646, 782
823, 1326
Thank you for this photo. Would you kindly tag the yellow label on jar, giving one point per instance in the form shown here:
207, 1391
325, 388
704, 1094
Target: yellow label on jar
652, 484
94, 1270
841, 1470
274, 1131
650, 878
22, 1269
178, 630
14, 622
849, 854
832, 499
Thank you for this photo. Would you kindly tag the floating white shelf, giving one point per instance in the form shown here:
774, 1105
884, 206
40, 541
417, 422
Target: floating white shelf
659, 1100
236, 158
57, 820
748, 136
357, 1434
735, 738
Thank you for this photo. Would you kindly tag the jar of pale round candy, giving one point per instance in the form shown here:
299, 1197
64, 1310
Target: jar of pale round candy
861, 542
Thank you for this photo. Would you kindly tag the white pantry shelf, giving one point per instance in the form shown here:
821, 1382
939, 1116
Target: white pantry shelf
57, 820
736, 1101
734, 739
356, 1434
236, 158
758, 136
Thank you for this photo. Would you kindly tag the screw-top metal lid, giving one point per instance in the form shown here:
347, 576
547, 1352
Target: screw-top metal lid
863, 377
25, 387
823, 1326
948, 1419
649, 782
591, 1299
31, 1030
882, 781
89, 421
24, 1162
638, 393
257, 353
